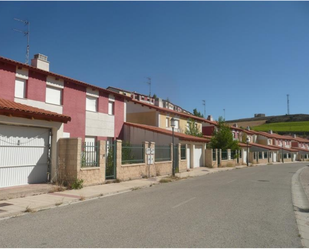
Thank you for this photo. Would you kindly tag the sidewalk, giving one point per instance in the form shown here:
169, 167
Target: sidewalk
19, 206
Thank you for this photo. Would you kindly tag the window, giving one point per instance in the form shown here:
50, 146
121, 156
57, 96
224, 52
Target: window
183, 152
91, 104
111, 108
20, 88
265, 154
53, 95
167, 122
176, 124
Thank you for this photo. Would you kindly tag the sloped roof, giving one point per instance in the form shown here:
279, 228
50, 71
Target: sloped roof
263, 146
299, 139
11, 108
181, 136
284, 148
172, 111
78, 82
274, 135
300, 149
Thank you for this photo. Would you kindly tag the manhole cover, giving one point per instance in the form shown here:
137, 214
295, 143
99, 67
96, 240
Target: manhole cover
5, 204
263, 180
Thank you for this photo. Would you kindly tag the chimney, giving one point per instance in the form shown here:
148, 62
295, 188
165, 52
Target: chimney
210, 118
270, 132
248, 128
235, 125
40, 61
294, 135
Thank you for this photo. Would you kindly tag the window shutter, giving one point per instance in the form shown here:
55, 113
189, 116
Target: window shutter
111, 108
20, 88
53, 95
91, 104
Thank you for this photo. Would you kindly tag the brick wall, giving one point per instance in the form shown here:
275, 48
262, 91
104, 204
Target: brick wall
69, 163
143, 170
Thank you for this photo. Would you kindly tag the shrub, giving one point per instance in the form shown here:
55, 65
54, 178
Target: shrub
77, 184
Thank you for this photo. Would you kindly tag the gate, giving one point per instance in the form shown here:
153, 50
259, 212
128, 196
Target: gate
110, 168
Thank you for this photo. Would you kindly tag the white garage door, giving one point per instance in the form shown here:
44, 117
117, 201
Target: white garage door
23, 155
197, 156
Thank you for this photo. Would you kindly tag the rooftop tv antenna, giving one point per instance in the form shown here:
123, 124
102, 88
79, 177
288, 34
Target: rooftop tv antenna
288, 103
26, 33
204, 104
149, 83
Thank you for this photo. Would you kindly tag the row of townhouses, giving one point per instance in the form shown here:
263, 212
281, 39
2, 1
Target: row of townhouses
57, 129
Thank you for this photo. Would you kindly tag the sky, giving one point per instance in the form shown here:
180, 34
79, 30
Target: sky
244, 57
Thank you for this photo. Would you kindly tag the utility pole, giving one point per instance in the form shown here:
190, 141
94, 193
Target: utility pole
26, 33
288, 103
204, 104
149, 83
224, 114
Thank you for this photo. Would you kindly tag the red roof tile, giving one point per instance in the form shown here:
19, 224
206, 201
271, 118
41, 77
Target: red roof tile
300, 149
263, 146
8, 107
78, 82
284, 148
181, 136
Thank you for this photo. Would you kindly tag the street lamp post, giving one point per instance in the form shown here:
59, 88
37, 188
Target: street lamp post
248, 151
282, 152
173, 162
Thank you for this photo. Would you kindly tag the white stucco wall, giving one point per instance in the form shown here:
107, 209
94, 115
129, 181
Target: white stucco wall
41, 105
99, 124
135, 108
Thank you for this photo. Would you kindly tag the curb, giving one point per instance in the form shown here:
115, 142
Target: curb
98, 196
301, 208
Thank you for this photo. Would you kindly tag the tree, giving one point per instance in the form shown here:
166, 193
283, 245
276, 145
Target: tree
154, 96
223, 138
197, 113
193, 129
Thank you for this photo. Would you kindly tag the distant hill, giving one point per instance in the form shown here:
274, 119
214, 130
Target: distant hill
258, 121
300, 128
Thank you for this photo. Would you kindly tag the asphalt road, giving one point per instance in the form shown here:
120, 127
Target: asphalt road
249, 207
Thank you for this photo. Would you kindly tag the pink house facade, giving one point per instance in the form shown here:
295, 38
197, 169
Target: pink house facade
95, 112
29, 140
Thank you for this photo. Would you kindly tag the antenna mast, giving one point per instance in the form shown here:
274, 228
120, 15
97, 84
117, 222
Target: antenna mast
204, 104
149, 83
26, 33
288, 103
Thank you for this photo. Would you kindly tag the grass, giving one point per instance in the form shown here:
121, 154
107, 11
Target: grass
302, 126
29, 210
169, 179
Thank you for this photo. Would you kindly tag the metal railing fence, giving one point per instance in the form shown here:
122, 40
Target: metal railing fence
90, 155
132, 154
162, 153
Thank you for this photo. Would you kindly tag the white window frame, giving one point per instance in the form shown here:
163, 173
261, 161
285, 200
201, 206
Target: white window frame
17, 88
176, 124
167, 122
111, 108
47, 99
89, 107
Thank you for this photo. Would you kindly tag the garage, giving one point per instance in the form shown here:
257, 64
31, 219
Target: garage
26, 143
24, 155
198, 155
